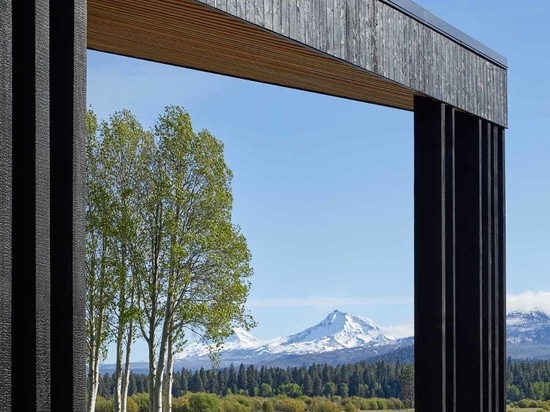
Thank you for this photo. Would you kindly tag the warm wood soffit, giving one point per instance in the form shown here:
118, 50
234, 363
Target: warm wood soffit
190, 34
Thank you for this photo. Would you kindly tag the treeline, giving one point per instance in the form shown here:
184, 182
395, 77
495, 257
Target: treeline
528, 379
164, 260
362, 379
525, 379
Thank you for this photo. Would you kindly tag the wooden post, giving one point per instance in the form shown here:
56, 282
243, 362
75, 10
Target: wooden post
459, 260
42, 172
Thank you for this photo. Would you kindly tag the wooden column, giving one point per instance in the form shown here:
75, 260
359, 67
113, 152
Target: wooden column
459, 260
42, 170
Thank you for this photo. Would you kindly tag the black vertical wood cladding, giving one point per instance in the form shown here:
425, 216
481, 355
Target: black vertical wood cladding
459, 260
42, 96
450, 259
459, 229
468, 279
6, 183
26, 34
499, 334
68, 76
433, 233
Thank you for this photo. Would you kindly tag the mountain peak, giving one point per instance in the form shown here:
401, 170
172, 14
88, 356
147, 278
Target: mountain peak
531, 328
339, 330
528, 316
243, 339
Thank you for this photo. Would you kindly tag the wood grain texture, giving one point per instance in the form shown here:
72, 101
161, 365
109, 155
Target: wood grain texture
359, 49
6, 188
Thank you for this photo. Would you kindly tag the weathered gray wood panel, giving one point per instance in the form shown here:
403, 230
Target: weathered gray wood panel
374, 36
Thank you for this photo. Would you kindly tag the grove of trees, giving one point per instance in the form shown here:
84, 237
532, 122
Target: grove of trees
383, 380
528, 382
164, 260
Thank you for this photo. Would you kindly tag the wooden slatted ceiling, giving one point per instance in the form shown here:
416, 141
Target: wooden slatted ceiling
188, 34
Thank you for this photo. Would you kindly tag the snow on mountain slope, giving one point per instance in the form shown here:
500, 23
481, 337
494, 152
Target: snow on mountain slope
240, 340
343, 338
338, 330
527, 327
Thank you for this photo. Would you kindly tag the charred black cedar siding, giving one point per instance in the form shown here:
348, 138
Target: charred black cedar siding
6, 176
42, 108
382, 38
67, 148
459, 180
459, 260
30, 234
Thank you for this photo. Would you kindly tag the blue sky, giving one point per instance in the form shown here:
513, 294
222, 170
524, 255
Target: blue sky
323, 186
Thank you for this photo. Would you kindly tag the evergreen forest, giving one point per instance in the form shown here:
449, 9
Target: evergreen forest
381, 379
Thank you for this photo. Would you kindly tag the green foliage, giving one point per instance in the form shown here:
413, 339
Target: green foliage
291, 390
204, 402
131, 405
103, 405
231, 405
349, 406
323, 405
406, 385
162, 250
180, 404
531, 403
379, 377
266, 390
329, 389
267, 406
142, 401
284, 404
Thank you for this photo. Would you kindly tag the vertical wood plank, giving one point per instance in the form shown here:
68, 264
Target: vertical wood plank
430, 259
292, 17
323, 30
259, 14
285, 17
314, 24
268, 13
30, 139
330, 28
340, 28
352, 27
6, 183
68, 33
469, 283
277, 17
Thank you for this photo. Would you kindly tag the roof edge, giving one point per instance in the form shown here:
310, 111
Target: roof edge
425, 17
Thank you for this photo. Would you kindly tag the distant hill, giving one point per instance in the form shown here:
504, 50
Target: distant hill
345, 338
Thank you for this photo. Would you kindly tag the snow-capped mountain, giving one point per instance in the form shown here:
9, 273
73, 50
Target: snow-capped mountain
528, 334
527, 327
341, 330
344, 338
240, 340
338, 332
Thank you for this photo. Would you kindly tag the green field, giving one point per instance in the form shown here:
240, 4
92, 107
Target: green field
509, 410
525, 409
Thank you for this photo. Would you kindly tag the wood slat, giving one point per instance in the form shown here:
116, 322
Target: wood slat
188, 34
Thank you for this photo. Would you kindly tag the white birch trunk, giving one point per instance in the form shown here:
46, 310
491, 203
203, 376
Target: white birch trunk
168, 378
126, 374
118, 372
93, 382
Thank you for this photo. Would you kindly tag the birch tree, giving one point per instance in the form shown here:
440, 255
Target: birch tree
163, 252
115, 157
99, 274
123, 144
199, 263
